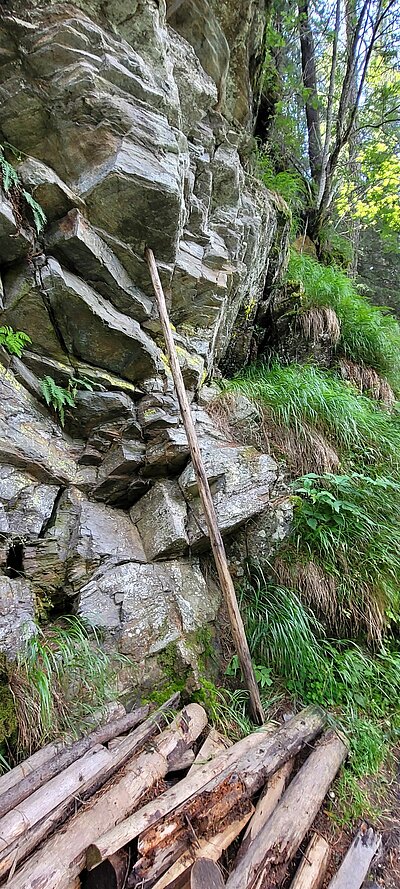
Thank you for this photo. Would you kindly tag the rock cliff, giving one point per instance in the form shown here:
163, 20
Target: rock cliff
130, 124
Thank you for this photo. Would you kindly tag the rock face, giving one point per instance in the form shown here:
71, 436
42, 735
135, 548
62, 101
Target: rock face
139, 133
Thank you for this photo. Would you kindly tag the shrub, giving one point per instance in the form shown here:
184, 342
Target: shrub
369, 334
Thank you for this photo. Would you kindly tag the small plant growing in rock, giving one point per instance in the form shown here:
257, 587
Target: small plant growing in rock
12, 186
59, 397
14, 340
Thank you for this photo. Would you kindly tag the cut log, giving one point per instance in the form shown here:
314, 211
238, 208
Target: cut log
206, 875
273, 848
112, 874
214, 743
266, 805
181, 761
311, 872
179, 872
240, 776
216, 542
43, 829
356, 863
62, 858
67, 756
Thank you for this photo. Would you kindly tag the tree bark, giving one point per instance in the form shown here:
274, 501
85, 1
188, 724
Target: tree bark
309, 74
62, 858
311, 872
239, 774
28, 785
356, 863
265, 806
214, 743
273, 848
217, 544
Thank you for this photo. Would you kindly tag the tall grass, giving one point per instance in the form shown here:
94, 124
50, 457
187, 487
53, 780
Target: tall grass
369, 334
297, 395
61, 676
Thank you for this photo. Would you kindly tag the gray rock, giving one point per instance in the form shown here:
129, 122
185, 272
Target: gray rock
167, 453
95, 408
197, 91
15, 241
25, 308
160, 517
118, 481
17, 615
160, 604
74, 240
28, 437
94, 331
25, 505
241, 479
53, 195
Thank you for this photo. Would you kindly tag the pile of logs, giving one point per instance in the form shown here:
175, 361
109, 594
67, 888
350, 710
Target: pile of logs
133, 805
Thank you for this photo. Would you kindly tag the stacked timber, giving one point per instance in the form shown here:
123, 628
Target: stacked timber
142, 803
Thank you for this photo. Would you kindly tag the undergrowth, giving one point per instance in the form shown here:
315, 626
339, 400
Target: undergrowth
294, 396
60, 677
369, 334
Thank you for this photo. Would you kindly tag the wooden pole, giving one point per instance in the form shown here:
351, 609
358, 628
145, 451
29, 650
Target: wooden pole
356, 863
217, 545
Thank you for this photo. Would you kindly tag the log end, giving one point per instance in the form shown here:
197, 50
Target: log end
93, 857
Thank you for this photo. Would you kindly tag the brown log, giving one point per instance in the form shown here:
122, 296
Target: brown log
217, 544
266, 805
62, 858
206, 875
356, 863
130, 745
239, 774
213, 744
311, 872
179, 872
67, 756
273, 848
111, 874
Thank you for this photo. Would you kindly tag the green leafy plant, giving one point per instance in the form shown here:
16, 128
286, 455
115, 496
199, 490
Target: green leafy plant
59, 397
14, 341
10, 181
261, 672
369, 334
61, 676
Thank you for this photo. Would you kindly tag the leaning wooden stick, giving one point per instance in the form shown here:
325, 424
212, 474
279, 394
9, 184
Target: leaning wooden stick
217, 545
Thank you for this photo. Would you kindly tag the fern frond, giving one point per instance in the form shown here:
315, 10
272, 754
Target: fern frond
39, 216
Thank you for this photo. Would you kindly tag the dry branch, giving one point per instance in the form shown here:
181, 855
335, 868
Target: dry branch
273, 848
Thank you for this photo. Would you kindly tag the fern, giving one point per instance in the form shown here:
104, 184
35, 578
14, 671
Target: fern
39, 216
57, 397
9, 176
14, 340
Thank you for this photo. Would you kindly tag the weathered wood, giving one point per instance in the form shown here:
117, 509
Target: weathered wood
211, 848
181, 761
62, 858
239, 773
357, 861
213, 744
68, 755
206, 875
311, 872
23, 846
217, 544
273, 848
266, 805
112, 874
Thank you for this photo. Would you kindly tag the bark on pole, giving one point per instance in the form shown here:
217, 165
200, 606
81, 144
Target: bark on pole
274, 847
217, 544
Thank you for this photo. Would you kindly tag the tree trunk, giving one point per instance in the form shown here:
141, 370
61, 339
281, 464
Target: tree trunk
28, 785
266, 805
62, 858
309, 74
214, 743
239, 774
206, 875
273, 848
216, 542
311, 872
356, 863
